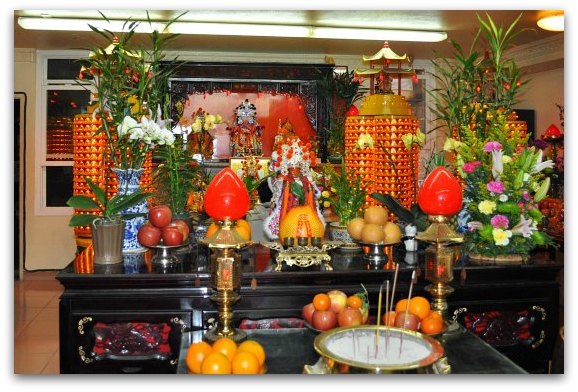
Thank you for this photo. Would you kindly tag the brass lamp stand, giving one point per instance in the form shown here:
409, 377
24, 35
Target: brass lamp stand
439, 258
226, 273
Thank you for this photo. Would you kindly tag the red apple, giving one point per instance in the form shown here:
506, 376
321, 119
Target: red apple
338, 300
183, 227
324, 319
149, 235
307, 313
412, 321
172, 236
160, 216
349, 317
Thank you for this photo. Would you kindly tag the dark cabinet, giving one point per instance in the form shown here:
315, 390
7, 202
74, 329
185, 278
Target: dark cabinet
515, 308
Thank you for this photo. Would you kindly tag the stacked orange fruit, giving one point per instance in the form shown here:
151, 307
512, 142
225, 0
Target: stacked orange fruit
224, 356
430, 321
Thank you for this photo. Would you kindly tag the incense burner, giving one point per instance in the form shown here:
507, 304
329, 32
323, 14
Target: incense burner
376, 350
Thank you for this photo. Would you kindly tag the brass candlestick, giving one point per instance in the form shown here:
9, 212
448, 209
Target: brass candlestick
439, 259
226, 273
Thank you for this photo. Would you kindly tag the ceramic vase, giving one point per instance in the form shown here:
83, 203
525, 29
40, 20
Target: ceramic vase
129, 182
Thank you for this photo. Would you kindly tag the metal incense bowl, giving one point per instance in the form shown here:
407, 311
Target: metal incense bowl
362, 359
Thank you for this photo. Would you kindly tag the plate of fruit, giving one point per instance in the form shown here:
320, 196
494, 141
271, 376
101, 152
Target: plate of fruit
332, 309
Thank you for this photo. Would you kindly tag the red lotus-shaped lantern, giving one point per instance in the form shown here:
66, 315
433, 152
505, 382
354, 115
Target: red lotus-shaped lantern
226, 197
440, 194
552, 132
353, 111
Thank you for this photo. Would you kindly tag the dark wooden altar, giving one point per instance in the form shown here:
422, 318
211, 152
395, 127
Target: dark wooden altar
515, 308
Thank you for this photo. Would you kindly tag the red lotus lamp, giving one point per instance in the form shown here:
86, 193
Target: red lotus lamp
226, 201
552, 133
440, 197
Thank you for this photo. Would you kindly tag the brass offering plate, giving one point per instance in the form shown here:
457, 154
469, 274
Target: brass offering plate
303, 256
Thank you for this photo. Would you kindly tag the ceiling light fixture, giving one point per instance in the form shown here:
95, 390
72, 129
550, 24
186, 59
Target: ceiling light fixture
552, 22
229, 29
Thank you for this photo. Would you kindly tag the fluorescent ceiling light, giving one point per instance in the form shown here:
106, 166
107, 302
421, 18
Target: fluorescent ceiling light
65, 24
552, 22
378, 34
250, 30
230, 29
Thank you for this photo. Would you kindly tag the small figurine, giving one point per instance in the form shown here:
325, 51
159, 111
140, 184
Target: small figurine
246, 132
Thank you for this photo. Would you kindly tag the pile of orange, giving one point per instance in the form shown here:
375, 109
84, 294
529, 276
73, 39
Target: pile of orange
431, 322
241, 226
224, 356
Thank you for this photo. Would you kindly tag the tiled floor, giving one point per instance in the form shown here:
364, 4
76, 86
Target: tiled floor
36, 324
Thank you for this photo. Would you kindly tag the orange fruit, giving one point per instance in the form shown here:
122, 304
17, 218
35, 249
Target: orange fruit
401, 305
216, 363
242, 227
225, 346
431, 325
419, 306
245, 362
254, 348
195, 355
321, 301
391, 320
211, 230
354, 302
435, 314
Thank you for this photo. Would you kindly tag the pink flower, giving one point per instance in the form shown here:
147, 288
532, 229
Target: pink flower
526, 196
500, 221
496, 186
470, 167
492, 146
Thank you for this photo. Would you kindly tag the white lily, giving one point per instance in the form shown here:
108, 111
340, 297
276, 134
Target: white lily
525, 227
128, 125
539, 165
497, 164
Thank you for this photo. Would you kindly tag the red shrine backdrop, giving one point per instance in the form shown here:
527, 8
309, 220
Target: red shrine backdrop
270, 108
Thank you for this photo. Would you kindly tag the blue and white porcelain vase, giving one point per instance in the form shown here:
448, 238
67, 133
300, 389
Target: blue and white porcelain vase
129, 182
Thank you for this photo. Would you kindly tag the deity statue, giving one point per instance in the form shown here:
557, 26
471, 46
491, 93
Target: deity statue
293, 185
245, 131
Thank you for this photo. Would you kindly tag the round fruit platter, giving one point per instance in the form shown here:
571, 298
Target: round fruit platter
163, 254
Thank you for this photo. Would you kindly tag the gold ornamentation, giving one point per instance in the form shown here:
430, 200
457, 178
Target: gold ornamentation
81, 323
539, 341
83, 356
178, 321
457, 312
541, 310
303, 256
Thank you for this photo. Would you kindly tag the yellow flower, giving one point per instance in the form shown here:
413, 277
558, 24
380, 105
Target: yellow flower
451, 144
501, 237
506, 159
333, 190
325, 194
326, 204
487, 207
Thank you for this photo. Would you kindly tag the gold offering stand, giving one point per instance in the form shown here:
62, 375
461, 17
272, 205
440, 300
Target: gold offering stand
226, 273
439, 258
303, 256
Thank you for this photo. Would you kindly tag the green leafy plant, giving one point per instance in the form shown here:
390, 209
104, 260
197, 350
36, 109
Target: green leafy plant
412, 216
349, 195
340, 90
471, 84
109, 209
173, 178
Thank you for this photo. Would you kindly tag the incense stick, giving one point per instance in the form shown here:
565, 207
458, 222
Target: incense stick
378, 319
406, 311
392, 296
387, 323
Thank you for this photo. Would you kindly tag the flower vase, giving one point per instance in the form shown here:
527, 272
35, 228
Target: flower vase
129, 182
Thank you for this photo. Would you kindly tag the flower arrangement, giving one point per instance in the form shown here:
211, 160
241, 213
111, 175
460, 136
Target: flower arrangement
253, 174
348, 196
504, 180
131, 89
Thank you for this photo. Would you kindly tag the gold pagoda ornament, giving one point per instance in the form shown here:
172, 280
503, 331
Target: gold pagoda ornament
374, 148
